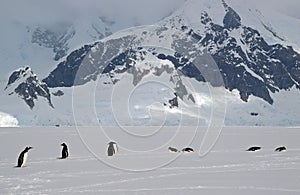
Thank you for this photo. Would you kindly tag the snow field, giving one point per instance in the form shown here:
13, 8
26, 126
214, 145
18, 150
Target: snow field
226, 169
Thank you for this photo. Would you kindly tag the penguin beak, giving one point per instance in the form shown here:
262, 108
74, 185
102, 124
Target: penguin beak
30, 147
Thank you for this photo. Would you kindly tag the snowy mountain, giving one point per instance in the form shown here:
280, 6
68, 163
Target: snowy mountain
40, 34
195, 61
26, 85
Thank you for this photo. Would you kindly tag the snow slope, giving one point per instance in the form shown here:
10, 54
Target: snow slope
226, 169
144, 106
7, 120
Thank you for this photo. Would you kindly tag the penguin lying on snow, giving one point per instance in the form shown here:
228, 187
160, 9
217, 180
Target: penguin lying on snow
112, 148
254, 148
187, 150
281, 148
173, 150
64, 152
23, 157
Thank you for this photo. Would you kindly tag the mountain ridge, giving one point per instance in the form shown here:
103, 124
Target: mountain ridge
247, 63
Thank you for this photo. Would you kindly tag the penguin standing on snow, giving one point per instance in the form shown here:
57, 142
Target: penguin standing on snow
23, 157
112, 148
64, 152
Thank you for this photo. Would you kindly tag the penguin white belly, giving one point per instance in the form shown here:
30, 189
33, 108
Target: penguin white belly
115, 148
24, 159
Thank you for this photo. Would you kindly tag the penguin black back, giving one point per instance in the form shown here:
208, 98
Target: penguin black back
64, 152
171, 149
23, 157
281, 148
254, 148
188, 150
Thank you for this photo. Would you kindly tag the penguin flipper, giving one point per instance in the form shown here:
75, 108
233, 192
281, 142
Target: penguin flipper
20, 160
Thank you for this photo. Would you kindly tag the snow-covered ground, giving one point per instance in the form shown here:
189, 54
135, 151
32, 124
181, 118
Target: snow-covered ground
226, 169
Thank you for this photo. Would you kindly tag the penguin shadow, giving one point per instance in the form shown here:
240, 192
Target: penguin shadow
16, 167
60, 158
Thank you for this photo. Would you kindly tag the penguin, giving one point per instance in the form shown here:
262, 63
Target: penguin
281, 148
187, 150
173, 150
253, 148
64, 152
112, 148
23, 157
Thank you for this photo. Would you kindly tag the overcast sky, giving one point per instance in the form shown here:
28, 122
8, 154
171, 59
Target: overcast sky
289, 7
29, 10
149, 10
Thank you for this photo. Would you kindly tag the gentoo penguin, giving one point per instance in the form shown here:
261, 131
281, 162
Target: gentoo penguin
173, 150
23, 157
64, 152
187, 150
254, 148
112, 148
281, 148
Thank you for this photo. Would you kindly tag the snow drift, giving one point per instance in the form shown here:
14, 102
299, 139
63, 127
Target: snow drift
7, 120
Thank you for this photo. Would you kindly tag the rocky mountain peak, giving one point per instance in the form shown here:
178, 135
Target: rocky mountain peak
24, 83
231, 19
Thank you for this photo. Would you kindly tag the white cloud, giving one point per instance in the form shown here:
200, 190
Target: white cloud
57, 10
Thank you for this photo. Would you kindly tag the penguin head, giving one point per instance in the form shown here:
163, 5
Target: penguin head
63, 144
28, 148
111, 143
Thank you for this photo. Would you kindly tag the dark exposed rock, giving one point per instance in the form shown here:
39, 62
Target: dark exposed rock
16, 75
231, 19
174, 102
58, 93
65, 73
29, 87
